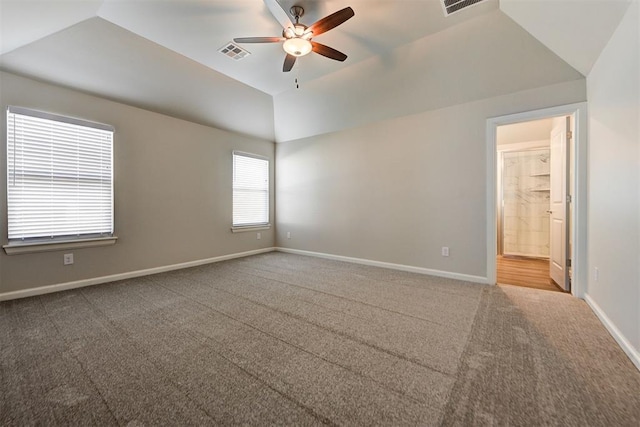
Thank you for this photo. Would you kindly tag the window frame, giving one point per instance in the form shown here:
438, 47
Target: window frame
44, 243
235, 228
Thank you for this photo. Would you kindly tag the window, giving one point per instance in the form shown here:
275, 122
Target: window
250, 190
59, 178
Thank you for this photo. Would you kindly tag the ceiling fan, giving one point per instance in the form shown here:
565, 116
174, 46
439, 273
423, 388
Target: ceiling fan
297, 37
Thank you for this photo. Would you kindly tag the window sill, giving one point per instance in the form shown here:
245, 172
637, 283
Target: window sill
35, 247
241, 229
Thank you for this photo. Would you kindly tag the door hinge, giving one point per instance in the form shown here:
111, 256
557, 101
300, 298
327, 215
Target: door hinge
569, 135
569, 198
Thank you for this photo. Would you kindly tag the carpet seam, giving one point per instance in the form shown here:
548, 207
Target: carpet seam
84, 369
397, 392
347, 299
204, 338
476, 319
343, 334
132, 342
412, 287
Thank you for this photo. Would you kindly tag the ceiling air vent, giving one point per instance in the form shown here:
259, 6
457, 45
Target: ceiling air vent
234, 51
453, 6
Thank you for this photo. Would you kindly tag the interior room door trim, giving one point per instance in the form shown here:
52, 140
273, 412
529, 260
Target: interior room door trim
579, 191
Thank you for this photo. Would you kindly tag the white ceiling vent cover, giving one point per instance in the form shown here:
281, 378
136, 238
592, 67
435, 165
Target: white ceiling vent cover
234, 51
452, 6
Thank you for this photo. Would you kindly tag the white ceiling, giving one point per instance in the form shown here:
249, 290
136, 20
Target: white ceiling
576, 30
535, 130
25, 21
162, 55
101, 58
485, 57
196, 29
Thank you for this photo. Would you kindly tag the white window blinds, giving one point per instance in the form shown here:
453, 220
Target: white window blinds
59, 177
250, 190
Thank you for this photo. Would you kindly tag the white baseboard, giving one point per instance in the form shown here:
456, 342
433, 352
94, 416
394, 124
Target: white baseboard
122, 276
626, 346
402, 267
131, 274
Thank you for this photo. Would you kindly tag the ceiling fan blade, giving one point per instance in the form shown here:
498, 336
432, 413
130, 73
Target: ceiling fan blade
279, 13
327, 51
331, 21
259, 39
289, 60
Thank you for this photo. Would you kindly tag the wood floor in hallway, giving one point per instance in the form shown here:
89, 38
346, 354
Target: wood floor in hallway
532, 273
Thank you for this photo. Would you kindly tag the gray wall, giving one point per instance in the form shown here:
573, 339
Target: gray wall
614, 179
172, 190
398, 190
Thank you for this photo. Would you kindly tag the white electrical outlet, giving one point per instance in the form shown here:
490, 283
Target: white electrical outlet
596, 274
288, 234
445, 251
68, 259
259, 236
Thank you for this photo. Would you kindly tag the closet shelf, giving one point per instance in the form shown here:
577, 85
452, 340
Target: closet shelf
540, 189
541, 174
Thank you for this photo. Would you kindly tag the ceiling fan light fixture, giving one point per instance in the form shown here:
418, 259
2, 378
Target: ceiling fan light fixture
299, 29
297, 46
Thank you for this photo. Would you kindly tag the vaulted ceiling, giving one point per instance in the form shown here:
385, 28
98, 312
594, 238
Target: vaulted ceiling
404, 56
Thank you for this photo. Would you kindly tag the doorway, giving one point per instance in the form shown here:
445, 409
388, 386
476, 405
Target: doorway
525, 165
536, 228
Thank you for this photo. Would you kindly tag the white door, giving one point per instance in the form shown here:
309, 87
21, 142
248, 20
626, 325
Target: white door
558, 205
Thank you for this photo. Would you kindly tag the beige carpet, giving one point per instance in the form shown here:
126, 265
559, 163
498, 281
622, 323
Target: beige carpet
537, 357
293, 340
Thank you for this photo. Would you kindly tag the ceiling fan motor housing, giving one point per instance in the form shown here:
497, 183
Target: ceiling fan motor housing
298, 30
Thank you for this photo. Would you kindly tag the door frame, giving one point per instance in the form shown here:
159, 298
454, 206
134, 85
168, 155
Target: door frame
579, 191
